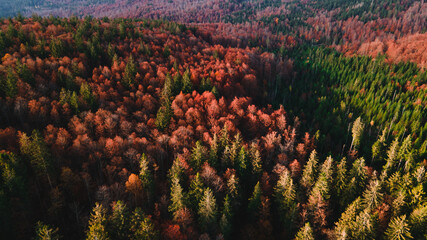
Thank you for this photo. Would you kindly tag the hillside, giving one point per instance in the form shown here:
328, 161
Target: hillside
149, 129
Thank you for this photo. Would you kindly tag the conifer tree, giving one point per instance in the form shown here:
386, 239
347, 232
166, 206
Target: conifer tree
254, 204
130, 73
207, 210
146, 178
398, 229
198, 156
98, 224
196, 191
141, 227
305, 233
356, 131
45, 232
285, 196
119, 221
309, 172
372, 196
225, 222
187, 85
177, 197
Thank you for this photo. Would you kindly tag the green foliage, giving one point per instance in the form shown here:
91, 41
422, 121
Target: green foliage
166, 51
285, 197
147, 178
187, 85
24, 73
130, 72
177, 198
196, 192
98, 224
36, 151
207, 211
198, 156
119, 221
164, 116
57, 47
310, 171
305, 233
398, 229
8, 86
255, 202
142, 227
45, 232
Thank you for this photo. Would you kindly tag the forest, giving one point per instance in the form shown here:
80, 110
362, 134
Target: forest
258, 120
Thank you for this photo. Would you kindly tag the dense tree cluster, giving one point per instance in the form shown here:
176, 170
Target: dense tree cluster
148, 129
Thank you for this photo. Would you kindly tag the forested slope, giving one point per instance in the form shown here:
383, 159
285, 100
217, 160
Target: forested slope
142, 129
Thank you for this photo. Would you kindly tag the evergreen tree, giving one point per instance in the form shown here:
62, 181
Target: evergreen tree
119, 221
372, 196
226, 220
98, 224
356, 131
207, 211
198, 156
177, 197
8, 86
285, 196
398, 229
57, 47
187, 85
130, 73
45, 232
196, 191
164, 116
255, 202
305, 233
309, 172
147, 178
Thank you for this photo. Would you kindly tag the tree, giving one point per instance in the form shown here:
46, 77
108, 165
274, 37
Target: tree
398, 229
198, 156
37, 152
255, 202
8, 86
98, 224
164, 116
130, 72
196, 192
146, 177
285, 196
177, 198
309, 172
57, 47
372, 196
305, 233
119, 221
45, 232
142, 227
187, 85
226, 220
207, 211
356, 131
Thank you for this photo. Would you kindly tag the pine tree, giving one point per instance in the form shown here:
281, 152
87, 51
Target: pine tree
398, 229
142, 228
255, 202
309, 172
147, 178
130, 73
418, 222
119, 221
37, 152
285, 196
207, 211
177, 197
57, 47
98, 224
198, 156
356, 131
213, 152
187, 85
164, 115
305, 233
45, 232
256, 162
372, 196
8, 86
226, 220
196, 191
